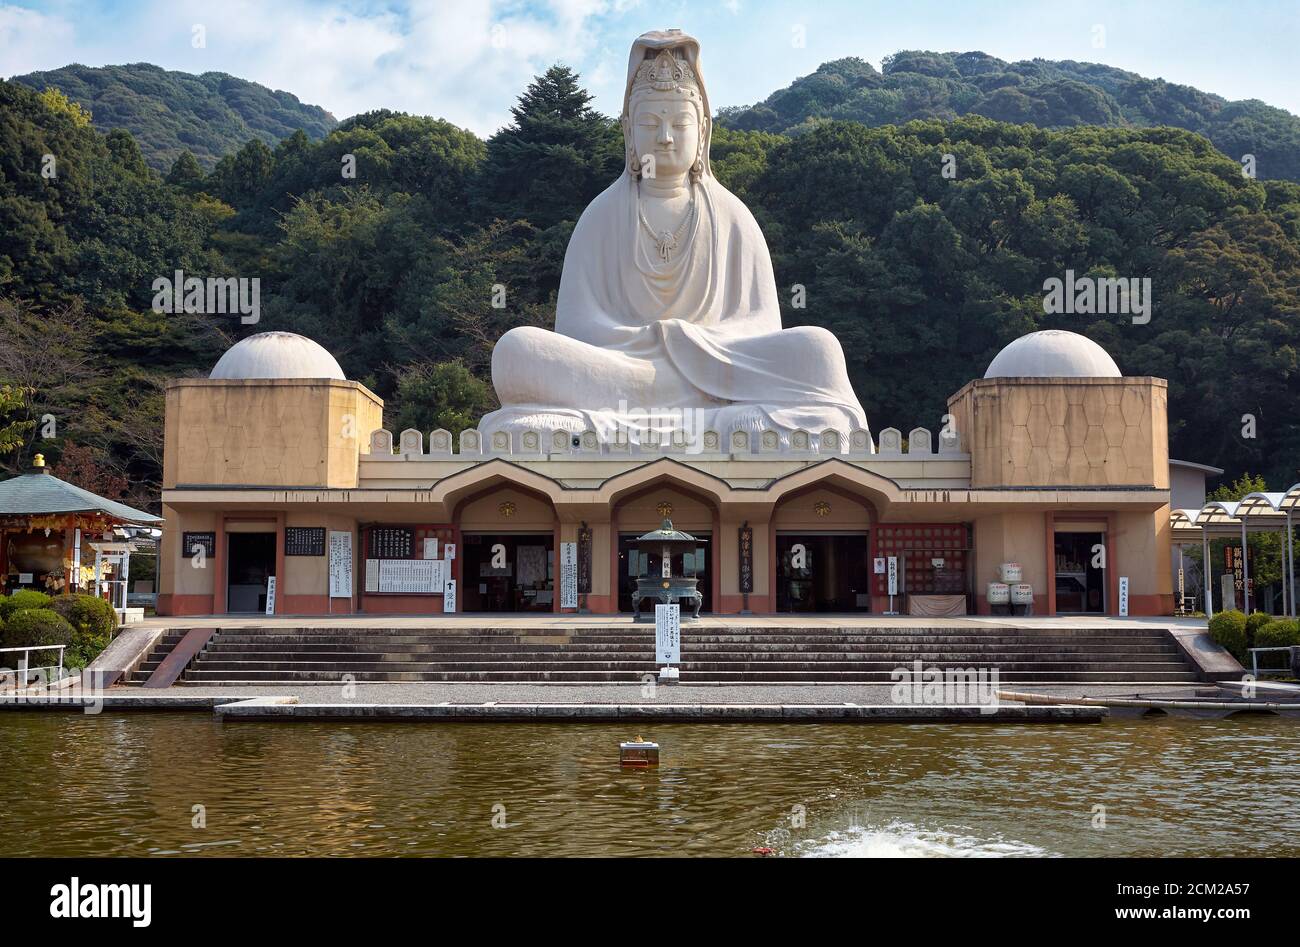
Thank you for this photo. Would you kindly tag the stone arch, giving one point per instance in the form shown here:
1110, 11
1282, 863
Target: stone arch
634, 508
824, 504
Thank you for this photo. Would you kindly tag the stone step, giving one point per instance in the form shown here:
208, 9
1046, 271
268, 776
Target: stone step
688, 654
162, 647
687, 630
625, 653
871, 647
225, 639
244, 677
648, 665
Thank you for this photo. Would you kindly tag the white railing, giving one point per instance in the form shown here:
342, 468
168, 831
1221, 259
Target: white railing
1256, 670
21, 674
737, 445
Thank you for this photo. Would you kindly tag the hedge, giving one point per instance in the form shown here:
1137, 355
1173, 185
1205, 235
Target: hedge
23, 598
1254, 623
1279, 633
29, 627
1229, 630
93, 621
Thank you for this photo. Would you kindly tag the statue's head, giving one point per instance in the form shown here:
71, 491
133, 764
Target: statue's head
665, 109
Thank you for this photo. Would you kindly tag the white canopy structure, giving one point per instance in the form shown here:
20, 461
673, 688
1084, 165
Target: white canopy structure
1255, 512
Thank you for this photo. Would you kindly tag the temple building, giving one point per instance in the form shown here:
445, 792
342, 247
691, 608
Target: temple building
284, 493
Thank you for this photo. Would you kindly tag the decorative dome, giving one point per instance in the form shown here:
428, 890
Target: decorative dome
277, 355
1053, 353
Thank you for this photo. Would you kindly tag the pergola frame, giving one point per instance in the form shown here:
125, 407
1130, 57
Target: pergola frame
1256, 512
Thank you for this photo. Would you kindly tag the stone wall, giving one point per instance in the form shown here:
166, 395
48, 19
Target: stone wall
1064, 432
262, 432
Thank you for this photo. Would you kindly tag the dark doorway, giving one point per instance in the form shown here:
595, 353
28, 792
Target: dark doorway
250, 561
632, 564
508, 572
822, 572
1080, 578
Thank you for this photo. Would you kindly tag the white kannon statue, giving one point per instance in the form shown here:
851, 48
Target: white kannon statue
668, 305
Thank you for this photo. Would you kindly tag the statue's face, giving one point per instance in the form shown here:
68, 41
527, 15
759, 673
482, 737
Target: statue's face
666, 129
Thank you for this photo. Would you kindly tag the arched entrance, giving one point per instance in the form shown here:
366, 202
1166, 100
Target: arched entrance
509, 554
821, 538
644, 509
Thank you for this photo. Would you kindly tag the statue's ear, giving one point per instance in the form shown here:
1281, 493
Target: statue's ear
629, 148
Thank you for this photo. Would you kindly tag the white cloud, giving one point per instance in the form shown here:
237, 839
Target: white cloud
463, 60
31, 40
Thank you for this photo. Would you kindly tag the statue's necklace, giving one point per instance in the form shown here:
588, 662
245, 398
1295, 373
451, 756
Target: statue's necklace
666, 241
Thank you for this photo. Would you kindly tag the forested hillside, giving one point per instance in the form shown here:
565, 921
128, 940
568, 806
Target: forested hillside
1050, 94
167, 112
922, 275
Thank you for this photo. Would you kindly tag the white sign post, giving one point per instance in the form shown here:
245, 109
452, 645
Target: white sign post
270, 595
893, 584
340, 564
668, 638
76, 561
1123, 596
568, 575
449, 596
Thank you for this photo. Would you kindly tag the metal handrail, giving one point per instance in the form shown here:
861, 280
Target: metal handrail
23, 669
1256, 670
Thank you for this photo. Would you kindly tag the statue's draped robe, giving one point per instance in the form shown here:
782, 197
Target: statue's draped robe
699, 333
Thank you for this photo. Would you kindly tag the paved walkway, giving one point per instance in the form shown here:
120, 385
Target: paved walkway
787, 694
853, 620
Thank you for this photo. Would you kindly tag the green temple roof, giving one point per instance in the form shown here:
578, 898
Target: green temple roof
41, 493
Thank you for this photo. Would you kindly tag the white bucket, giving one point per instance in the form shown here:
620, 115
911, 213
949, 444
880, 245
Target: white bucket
999, 593
1010, 572
1022, 594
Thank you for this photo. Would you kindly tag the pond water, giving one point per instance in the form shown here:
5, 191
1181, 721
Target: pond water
129, 784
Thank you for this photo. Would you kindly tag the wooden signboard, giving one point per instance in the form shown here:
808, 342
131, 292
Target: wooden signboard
304, 540
388, 542
746, 559
189, 542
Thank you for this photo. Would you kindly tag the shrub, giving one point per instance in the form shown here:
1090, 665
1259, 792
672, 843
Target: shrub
1254, 623
93, 622
1279, 633
1229, 630
23, 598
29, 627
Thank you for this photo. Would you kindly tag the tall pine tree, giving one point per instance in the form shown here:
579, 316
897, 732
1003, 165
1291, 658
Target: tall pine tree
555, 156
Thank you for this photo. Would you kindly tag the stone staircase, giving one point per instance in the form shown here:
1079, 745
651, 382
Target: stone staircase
709, 654
162, 647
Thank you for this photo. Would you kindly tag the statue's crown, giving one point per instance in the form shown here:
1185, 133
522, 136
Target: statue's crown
665, 73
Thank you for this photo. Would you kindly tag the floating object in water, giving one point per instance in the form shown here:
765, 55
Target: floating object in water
762, 850
638, 753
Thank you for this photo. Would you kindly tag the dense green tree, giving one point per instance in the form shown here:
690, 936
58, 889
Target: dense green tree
14, 426
432, 395
186, 173
925, 85
555, 156
170, 113
407, 246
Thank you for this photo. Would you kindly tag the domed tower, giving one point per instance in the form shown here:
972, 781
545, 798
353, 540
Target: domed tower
1053, 410
1078, 456
276, 410
276, 417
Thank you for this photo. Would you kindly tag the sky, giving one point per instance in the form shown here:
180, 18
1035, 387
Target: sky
468, 60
